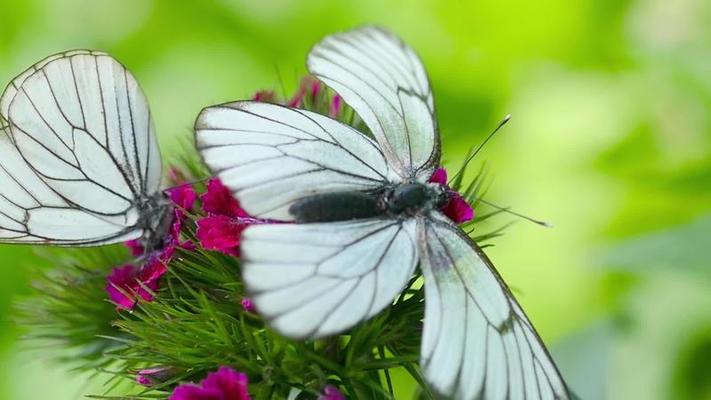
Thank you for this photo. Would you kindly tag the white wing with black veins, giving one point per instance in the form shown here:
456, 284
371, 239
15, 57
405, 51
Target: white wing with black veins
477, 342
384, 81
270, 156
315, 280
77, 151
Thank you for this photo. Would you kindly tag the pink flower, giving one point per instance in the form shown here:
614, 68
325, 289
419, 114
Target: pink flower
247, 304
456, 208
439, 176
298, 98
183, 196
225, 384
219, 200
135, 247
152, 376
331, 392
334, 109
127, 283
309, 85
226, 220
221, 233
192, 392
315, 88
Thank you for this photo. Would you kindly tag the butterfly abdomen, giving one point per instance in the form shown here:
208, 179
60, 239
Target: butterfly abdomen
403, 199
339, 206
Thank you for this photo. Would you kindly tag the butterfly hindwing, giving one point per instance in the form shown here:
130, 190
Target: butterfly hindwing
384, 81
315, 280
79, 151
477, 342
271, 156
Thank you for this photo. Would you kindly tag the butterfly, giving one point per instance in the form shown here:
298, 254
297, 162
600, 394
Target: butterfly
364, 216
79, 160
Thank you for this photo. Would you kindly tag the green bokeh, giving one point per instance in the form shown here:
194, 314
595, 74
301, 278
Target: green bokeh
610, 140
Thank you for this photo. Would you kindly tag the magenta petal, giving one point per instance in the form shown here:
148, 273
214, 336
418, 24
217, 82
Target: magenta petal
121, 286
144, 380
152, 376
220, 233
439, 176
135, 247
151, 272
127, 282
173, 236
334, 109
219, 200
331, 392
315, 88
298, 98
183, 196
232, 384
194, 392
457, 209
188, 245
247, 304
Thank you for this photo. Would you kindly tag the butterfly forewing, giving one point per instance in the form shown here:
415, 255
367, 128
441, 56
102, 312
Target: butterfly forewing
384, 81
78, 154
477, 342
315, 280
271, 156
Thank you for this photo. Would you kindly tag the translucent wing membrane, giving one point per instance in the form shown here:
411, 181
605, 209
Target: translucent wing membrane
314, 280
270, 156
477, 342
78, 153
14, 86
384, 81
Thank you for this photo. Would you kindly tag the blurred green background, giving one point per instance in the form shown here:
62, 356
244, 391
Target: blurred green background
610, 140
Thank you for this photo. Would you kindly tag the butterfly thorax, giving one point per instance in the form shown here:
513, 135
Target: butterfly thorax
156, 220
397, 200
413, 198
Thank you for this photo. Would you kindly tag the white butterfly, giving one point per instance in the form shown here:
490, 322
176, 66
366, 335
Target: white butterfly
366, 216
79, 161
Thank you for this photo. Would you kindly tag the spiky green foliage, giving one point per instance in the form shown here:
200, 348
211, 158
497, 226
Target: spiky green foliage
196, 322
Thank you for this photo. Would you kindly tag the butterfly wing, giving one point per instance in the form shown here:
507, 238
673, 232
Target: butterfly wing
477, 342
270, 156
315, 280
79, 151
384, 81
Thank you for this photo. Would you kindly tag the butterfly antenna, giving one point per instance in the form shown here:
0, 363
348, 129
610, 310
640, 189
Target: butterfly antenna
478, 149
509, 211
